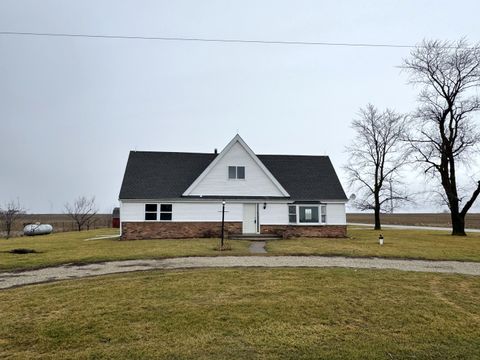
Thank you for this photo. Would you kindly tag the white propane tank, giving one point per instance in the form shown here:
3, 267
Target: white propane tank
37, 229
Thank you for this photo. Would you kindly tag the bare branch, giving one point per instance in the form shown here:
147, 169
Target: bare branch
377, 155
81, 211
444, 133
9, 215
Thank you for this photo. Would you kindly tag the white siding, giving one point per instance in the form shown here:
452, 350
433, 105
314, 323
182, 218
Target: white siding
132, 211
336, 214
184, 211
206, 212
273, 214
256, 182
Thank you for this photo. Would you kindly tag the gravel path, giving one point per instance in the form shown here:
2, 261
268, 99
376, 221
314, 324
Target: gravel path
65, 272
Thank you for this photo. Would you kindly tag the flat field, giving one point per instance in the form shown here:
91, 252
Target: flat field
245, 314
418, 219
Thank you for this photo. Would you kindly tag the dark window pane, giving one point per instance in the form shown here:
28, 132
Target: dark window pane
292, 210
151, 216
166, 207
308, 214
150, 207
292, 218
165, 216
240, 172
232, 173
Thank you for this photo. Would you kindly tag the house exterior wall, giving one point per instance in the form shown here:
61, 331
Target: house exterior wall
336, 214
275, 213
190, 230
176, 230
217, 183
206, 212
202, 219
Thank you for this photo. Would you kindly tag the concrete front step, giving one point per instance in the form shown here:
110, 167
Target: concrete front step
254, 237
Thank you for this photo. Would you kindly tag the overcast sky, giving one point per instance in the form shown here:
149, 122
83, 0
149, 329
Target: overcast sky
71, 109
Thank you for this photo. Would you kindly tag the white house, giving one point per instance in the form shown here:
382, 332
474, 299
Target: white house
180, 195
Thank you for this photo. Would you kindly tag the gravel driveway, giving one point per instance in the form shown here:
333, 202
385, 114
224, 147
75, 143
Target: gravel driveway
65, 272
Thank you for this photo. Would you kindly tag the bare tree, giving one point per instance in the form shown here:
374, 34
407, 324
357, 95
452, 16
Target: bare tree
82, 211
377, 155
13, 210
444, 135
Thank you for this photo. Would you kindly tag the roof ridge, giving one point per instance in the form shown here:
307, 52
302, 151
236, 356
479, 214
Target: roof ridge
212, 153
297, 155
171, 152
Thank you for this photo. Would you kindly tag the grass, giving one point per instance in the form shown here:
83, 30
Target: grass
363, 242
71, 247
245, 314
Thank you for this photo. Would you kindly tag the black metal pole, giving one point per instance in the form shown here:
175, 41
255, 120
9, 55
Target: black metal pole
223, 224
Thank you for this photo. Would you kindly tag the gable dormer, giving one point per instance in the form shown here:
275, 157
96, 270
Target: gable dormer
236, 171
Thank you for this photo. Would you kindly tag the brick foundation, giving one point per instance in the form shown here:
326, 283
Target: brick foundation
289, 231
176, 230
185, 230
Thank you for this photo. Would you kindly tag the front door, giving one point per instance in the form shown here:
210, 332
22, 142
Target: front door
250, 219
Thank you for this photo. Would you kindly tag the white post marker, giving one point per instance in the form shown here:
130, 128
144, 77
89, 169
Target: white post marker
380, 239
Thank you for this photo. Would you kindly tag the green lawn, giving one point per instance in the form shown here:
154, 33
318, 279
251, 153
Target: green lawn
72, 247
412, 244
245, 314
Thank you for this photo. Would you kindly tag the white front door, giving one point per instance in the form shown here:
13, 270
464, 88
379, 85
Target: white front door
250, 219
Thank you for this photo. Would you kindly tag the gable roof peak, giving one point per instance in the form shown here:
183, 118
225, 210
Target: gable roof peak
236, 139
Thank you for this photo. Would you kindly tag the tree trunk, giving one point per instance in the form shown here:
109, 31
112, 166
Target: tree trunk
378, 226
376, 209
458, 224
79, 226
8, 228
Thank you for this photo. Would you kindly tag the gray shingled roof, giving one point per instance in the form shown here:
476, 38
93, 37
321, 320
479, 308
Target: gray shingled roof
166, 175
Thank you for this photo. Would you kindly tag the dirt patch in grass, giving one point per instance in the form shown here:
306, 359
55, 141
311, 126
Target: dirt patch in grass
23, 251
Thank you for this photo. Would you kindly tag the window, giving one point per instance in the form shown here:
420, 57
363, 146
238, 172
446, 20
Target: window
308, 214
236, 172
323, 213
166, 212
150, 211
304, 214
292, 214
